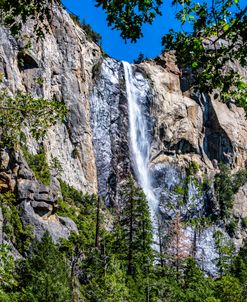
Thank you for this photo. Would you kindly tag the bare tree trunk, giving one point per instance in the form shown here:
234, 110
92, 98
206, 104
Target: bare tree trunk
97, 224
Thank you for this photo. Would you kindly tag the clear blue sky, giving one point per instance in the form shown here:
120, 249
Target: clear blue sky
113, 44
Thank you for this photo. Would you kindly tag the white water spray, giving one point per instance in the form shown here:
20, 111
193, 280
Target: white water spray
139, 139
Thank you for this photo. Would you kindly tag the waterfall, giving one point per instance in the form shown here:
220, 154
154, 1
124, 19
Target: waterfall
139, 138
115, 123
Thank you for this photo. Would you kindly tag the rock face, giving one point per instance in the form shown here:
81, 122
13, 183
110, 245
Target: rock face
61, 67
109, 119
193, 127
189, 129
93, 144
185, 129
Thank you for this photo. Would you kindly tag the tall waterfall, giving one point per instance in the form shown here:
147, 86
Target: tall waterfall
139, 138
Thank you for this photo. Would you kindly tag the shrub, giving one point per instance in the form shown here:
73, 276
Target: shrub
239, 179
141, 58
13, 227
193, 168
91, 34
39, 165
223, 185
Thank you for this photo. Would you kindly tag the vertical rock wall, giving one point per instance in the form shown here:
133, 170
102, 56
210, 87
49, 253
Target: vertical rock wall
92, 145
60, 67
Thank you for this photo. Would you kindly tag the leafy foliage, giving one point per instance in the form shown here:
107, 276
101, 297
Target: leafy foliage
129, 16
197, 288
228, 289
38, 164
134, 241
101, 276
56, 166
45, 274
7, 268
224, 190
14, 13
239, 179
17, 233
141, 58
226, 185
225, 250
23, 110
119, 266
218, 40
216, 43
7, 274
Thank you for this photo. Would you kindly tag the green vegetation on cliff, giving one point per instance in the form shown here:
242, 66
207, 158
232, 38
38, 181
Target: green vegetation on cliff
111, 258
38, 164
22, 111
18, 234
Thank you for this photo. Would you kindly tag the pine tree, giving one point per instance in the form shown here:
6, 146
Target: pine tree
134, 239
196, 286
224, 190
8, 276
45, 274
178, 248
225, 250
239, 268
228, 289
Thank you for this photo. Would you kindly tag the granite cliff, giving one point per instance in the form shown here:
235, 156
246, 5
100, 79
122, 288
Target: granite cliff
93, 144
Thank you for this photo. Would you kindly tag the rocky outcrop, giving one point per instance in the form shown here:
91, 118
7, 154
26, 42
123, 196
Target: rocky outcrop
240, 204
193, 127
60, 67
58, 227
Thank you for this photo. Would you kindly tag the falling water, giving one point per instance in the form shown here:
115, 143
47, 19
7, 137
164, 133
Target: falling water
139, 139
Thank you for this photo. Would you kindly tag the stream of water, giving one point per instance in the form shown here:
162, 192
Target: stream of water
139, 139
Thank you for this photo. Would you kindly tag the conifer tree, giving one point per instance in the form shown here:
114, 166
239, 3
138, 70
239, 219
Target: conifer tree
135, 235
239, 268
8, 276
178, 248
224, 190
225, 250
45, 274
196, 286
228, 289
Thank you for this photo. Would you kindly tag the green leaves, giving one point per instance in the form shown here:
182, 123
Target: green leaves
17, 233
224, 191
45, 274
226, 186
129, 16
7, 268
38, 164
22, 111
228, 289
217, 41
241, 85
16, 12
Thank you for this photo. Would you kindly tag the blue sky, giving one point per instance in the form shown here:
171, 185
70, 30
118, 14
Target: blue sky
113, 44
